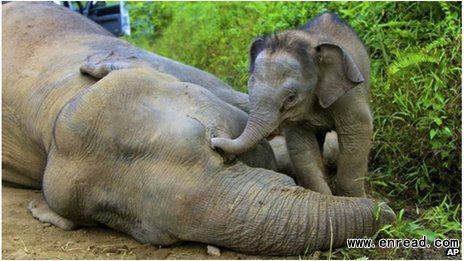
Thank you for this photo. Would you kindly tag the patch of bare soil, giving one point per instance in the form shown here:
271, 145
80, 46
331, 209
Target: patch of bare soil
24, 237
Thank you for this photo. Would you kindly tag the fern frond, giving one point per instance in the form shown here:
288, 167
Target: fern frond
409, 59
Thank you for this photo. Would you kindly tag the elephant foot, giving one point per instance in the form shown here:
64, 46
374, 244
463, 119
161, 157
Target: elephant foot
213, 251
40, 210
350, 192
322, 188
101, 64
315, 181
100, 70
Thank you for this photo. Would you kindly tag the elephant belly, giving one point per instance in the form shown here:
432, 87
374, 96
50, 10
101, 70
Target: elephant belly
22, 158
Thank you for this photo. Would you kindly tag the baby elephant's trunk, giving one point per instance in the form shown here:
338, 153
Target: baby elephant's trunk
256, 129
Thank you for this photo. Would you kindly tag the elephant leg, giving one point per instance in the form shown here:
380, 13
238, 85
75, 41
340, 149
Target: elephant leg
354, 144
40, 210
330, 151
305, 154
352, 164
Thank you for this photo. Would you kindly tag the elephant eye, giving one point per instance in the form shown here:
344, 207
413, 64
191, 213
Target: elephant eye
289, 102
291, 98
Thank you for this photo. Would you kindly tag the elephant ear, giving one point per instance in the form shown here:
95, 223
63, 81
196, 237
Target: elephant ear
258, 45
338, 73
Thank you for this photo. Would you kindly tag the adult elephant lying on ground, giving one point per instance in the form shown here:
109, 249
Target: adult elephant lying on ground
132, 150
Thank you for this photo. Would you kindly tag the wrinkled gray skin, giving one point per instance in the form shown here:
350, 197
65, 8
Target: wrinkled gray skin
132, 150
310, 81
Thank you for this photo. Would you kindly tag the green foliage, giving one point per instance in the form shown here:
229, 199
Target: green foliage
147, 21
442, 221
415, 50
416, 100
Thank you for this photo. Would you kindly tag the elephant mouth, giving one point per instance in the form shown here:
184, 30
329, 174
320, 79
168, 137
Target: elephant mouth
273, 134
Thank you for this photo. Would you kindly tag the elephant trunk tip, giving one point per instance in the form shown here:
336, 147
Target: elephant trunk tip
228, 145
255, 130
384, 214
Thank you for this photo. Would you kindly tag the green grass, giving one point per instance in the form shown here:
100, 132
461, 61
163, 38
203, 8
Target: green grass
415, 51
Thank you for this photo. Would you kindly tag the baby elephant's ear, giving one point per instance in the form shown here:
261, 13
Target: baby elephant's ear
258, 45
338, 73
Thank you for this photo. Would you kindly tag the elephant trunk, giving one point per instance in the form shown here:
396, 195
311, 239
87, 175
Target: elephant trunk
256, 129
265, 212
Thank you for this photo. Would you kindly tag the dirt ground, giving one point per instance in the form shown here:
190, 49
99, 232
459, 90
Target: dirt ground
24, 237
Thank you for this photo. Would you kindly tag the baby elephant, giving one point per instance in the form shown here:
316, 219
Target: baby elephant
307, 82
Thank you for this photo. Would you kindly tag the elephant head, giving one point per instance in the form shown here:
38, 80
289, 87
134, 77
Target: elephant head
294, 72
